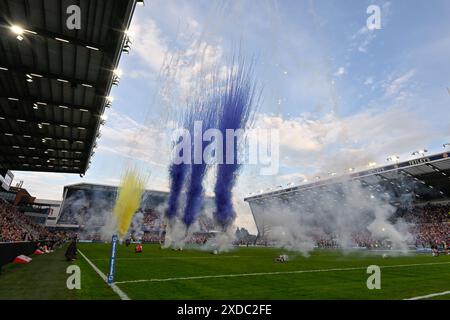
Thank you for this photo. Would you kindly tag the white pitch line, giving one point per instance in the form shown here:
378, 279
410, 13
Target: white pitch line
163, 258
429, 296
113, 286
277, 273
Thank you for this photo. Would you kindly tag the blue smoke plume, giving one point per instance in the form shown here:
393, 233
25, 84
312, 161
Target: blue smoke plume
236, 106
177, 174
207, 113
202, 108
225, 105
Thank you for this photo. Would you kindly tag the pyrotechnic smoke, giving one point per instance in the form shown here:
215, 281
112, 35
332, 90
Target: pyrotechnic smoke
236, 106
225, 103
92, 211
222, 242
176, 234
202, 109
135, 230
177, 175
206, 112
179, 171
128, 200
342, 213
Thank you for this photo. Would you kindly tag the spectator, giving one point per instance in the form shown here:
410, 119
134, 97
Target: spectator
15, 226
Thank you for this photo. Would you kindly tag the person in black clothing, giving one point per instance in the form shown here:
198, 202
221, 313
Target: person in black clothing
71, 252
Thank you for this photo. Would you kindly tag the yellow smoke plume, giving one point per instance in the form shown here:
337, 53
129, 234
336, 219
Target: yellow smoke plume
128, 199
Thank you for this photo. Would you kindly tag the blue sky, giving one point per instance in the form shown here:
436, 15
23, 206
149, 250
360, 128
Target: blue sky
339, 94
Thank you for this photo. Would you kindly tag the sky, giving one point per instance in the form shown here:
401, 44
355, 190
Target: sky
339, 94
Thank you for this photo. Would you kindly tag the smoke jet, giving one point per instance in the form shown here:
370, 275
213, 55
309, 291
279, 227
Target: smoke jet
128, 200
177, 175
195, 192
236, 106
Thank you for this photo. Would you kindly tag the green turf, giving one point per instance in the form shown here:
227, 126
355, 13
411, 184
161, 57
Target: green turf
45, 277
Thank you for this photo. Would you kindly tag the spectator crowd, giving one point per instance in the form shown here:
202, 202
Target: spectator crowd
429, 226
159, 238
428, 213
16, 226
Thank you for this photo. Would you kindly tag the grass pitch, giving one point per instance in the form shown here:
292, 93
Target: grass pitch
244, 273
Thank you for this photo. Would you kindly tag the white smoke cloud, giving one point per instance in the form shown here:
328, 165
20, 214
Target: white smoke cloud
347, 213
221, 242
176, 234
93, 213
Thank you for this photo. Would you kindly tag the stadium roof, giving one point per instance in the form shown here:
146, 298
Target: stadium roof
426, 178
55, 82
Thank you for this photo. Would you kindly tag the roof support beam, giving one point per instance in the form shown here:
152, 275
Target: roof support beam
43, 156
43, 103
35, 32
49, 149
37, 122
28, 134
38, 75
41, 167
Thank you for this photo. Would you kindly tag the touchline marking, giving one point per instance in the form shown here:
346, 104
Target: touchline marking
277, 273
114, 287
429, 296
161, 258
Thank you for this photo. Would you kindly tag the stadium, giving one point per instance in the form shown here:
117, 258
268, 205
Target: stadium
106, 198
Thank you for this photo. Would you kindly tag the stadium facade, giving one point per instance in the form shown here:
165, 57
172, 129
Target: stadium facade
6, 178
414, 182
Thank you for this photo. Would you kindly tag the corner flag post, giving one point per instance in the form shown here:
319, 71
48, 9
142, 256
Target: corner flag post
112, 259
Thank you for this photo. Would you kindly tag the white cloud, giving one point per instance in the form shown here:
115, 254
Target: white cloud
340, 72
363, 38
335, 143
126, 137
148, 43
396, 86
44, 185
138, 74
368, 81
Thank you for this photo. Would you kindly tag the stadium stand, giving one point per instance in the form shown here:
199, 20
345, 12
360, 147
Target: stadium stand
55, 82
19, 235
86, 207
419, 189
429, 226
16, 226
